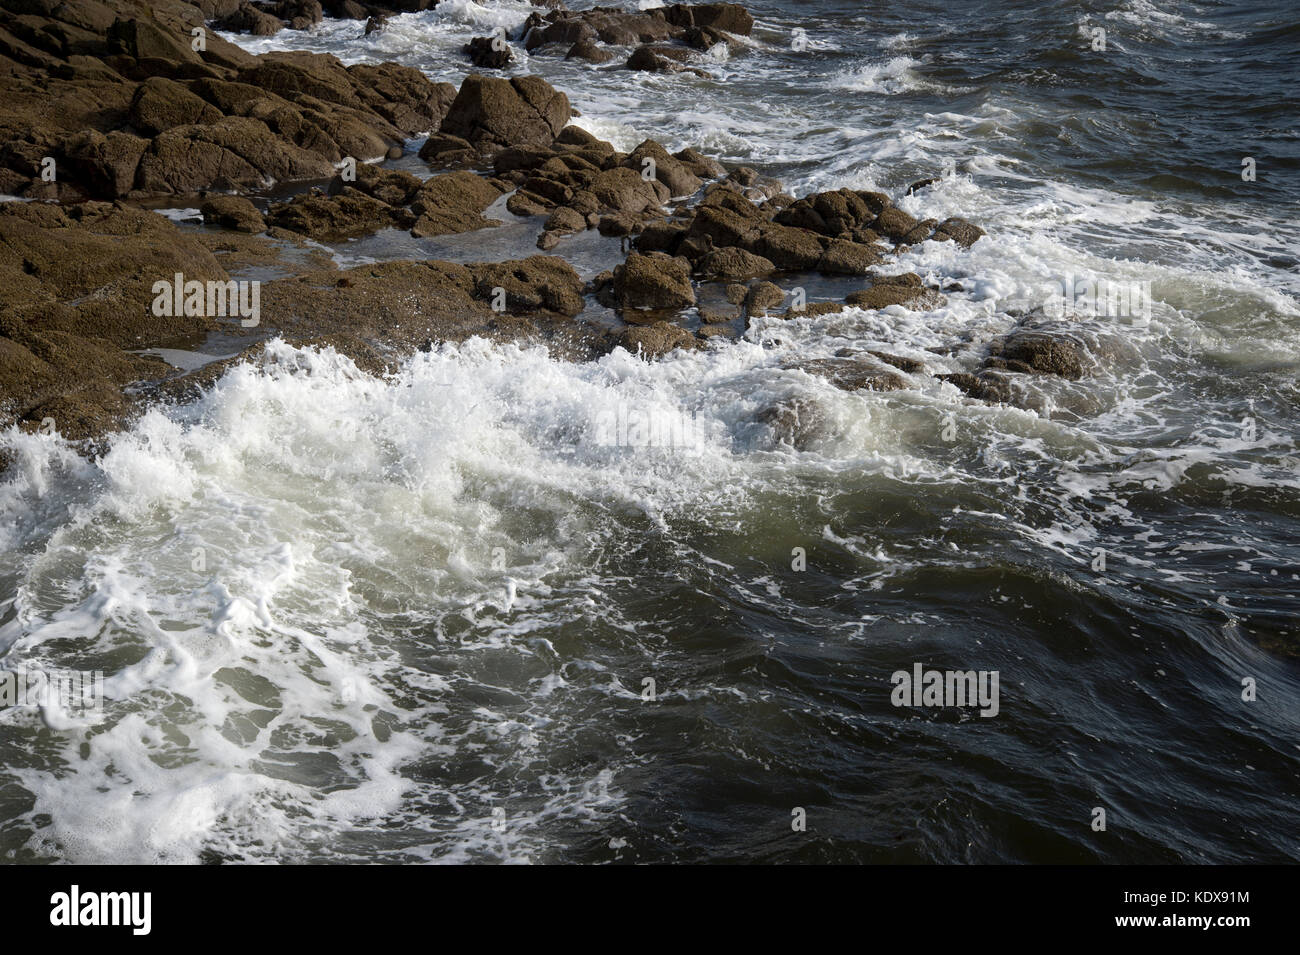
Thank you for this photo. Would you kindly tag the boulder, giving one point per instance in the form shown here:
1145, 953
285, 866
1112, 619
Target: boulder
540, 281
733, 264
656, 340
492, 114
653, 281
731, 17
453, 203
962, 232
489, 53
159, 104
233, 212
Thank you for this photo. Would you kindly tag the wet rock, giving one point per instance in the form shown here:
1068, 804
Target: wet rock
249, 19
1041, 352
701, 165
909, 365
962, 232
717, 331
348, 215
233, 212
922, 184
788, 248
672, 172
492, 114
586, 49
733, 264
718, 315
854, 374
883, 295
843, 257
924, 229
624, 191
540, 281
735, 293
655, 341
660, 236
763, 296
814, 310
797, 421
894, 223
731, 17
986, 386
453, 203
489, 53
392, 186
653, 281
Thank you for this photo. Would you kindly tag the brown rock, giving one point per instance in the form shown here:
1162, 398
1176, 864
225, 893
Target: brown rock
494, 113
655, 341
233, 212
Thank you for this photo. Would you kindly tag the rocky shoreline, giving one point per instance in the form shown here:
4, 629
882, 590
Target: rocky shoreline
114, 105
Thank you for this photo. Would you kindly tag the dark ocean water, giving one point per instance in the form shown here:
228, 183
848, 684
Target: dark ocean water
429, 607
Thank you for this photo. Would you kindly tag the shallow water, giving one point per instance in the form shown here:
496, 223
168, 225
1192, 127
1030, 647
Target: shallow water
346, 619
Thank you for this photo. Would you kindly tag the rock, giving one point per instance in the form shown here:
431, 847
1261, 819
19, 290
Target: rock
347, 215
540, 281
924, 229
731, 17
488, 52
233, 212
717, 331
248, 19
374, 24
655, 341
236, 152
882, 296
1043, 353
735, 293
624, 191
670, 171
843, 257
661, 59
793, 249
653, 281
701, 165
876, 202
922, 184
986, 386
566, 221
814, 310
909, 365
854, 374
660, 236
105, 164
763, 296
714, 315
894, 223
492, 114
964, 233
586, 49
453, 203
392, 186
159, 104
733, 264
